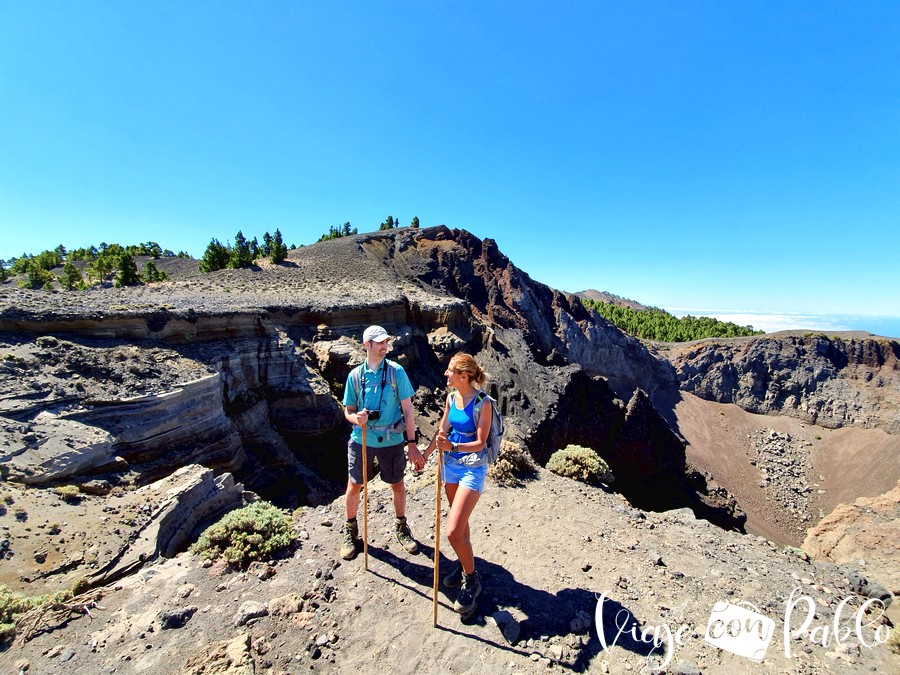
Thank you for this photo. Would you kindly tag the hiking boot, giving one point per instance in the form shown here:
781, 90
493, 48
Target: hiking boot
404, 536
454, 579
468, 593
351, 542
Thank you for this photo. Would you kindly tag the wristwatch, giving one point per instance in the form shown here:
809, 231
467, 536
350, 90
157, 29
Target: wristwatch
454, 445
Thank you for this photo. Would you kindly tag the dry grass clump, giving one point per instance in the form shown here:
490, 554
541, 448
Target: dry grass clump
68, 493
580, 463
513, 466
893, 642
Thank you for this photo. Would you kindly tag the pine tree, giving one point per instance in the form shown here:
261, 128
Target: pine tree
215, 258
127, 271
152, 273
267, 244
415, 223
38, 277
279, 250
241, 256
71, 276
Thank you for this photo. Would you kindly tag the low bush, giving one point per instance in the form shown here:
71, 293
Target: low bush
68, 493
580, 463
13, 604
255, 532
512, 466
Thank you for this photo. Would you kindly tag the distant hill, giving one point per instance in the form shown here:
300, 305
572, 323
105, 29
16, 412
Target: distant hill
653, 323
611, 298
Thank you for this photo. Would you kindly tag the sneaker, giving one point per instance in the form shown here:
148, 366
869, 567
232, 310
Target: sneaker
454, 579
404, 536
468, 593
351, 542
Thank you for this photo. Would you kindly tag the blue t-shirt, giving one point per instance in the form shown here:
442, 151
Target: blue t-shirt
373, 399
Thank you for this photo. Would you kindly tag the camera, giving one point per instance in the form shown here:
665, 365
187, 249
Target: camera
374, 415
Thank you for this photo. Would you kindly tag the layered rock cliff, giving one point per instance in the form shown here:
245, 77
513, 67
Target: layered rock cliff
830, 380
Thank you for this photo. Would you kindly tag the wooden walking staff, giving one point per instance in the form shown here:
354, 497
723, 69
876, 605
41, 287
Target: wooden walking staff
437, 538
365, 468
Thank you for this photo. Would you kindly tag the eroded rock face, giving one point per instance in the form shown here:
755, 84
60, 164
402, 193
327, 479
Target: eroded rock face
868, 529
556, 327
178, 506
830, 381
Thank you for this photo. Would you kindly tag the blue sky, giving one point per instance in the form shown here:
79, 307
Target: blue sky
717, 157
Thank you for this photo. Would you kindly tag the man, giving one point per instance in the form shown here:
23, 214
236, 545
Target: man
378, 394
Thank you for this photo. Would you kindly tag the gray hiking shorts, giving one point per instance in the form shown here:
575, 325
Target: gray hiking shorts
391, 462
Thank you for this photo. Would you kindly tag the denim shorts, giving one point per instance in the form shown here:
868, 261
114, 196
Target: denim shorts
391, 462
455, 473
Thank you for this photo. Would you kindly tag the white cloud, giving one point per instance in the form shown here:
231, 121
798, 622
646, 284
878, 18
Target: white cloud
771, 322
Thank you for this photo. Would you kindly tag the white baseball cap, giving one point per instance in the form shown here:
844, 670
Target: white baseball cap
375, 334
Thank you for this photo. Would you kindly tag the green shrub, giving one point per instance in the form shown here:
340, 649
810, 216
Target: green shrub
580, 463
255, 532
513, 465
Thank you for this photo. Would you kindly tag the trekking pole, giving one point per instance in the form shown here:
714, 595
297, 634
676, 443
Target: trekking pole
437, 537
365, 468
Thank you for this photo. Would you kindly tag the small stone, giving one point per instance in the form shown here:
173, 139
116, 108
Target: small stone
185, 591
176, 618
685, 668
286, 604
249, 610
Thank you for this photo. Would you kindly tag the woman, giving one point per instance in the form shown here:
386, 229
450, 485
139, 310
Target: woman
461, 439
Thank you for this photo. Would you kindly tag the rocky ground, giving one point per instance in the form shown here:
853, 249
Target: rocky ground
785, 473
546, 552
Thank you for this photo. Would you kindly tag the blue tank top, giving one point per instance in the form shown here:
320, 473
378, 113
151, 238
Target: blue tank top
463, 428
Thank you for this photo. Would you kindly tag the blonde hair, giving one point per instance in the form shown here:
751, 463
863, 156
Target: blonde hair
465, 363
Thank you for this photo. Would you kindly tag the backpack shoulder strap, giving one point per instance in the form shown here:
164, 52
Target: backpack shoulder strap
356, 379
480, 398
392, 375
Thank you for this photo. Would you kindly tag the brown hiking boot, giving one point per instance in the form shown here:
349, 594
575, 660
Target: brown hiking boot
404, 536
351, 542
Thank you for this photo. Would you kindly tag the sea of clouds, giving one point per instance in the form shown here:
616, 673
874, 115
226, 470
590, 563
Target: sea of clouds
770, 322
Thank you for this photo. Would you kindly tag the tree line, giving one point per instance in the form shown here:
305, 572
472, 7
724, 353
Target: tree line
114, 262
243, 254
220, 256
101, 263
657, 324
390, 223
